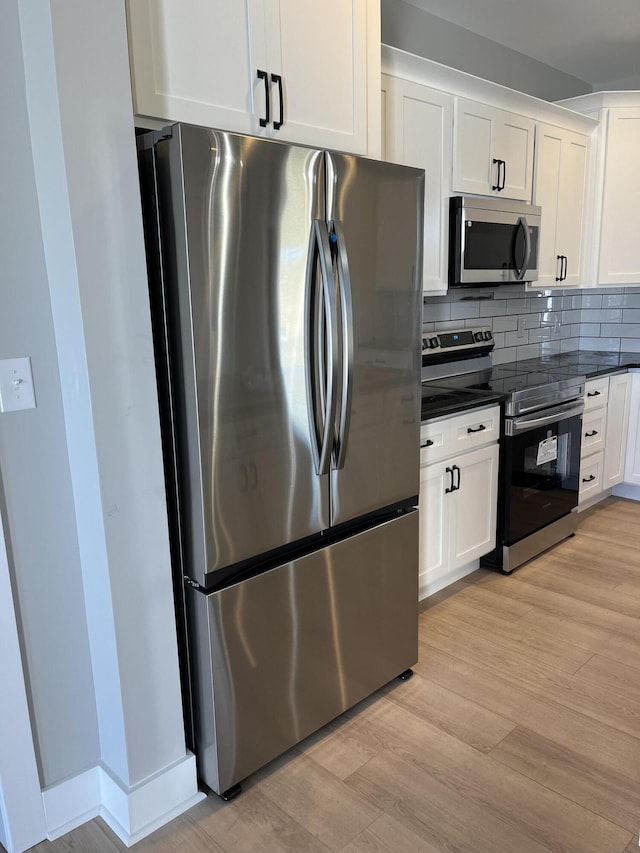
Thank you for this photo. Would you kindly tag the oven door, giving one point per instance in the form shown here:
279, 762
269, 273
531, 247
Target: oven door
541, 470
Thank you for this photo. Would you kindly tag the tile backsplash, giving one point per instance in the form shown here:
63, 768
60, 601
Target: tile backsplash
526, 324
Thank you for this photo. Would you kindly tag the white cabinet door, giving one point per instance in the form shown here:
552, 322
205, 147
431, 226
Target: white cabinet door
417, 132
191, 62
474, 506
233, 64
493, 151
320, 51
619, 246
560, 189
457, 525
617, 428
632, 460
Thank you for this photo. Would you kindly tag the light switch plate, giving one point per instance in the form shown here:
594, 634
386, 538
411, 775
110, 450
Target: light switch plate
16, 385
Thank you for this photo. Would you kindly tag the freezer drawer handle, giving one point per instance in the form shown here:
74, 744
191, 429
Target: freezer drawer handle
588, 479
591, 434
476, 429
277, 78
262, 75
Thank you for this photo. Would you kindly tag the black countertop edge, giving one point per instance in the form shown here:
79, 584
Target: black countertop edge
484, 398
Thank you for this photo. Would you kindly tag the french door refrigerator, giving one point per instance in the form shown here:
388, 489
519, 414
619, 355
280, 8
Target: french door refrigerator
286, 301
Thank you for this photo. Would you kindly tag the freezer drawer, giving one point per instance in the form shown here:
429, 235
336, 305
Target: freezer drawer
278, 656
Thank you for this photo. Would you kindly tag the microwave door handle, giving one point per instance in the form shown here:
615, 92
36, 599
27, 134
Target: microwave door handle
522, 223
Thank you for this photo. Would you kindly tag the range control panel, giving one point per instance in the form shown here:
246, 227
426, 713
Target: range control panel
470, 340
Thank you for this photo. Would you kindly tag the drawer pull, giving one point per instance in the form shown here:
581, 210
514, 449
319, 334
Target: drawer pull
477, 429
593, 393
427, 443
589, 479
591, 434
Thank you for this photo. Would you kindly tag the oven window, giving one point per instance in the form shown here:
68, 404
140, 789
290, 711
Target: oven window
542, 477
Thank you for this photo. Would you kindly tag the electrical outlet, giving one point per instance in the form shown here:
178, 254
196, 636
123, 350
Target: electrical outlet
521, 328
16, 385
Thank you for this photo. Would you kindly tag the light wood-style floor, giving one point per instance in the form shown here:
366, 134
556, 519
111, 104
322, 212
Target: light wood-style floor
519, 732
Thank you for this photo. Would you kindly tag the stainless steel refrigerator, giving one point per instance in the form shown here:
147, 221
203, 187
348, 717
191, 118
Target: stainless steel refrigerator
286, 300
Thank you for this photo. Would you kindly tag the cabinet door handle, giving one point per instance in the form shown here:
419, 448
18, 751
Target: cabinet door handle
457, 485
589, 478
450, 472
262, 75
427, 443
591, 434
593, 393
277, 78
559, 258
476, 429
504, 174
496, 186
564, 260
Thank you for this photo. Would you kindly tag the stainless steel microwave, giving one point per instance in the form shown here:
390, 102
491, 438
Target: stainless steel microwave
492, 241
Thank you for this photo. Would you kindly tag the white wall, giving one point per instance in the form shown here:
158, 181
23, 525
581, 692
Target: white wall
417, 31
83, 146
34, 465
82, 479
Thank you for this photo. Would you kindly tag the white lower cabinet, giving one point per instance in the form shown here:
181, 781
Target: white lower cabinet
618, 408
632, 459
458, 496
605, 427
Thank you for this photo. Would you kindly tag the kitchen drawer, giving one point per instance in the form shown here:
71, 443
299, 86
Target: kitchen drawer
455, 434
594, 430
591, 470
475, 429
596, 393
435, 442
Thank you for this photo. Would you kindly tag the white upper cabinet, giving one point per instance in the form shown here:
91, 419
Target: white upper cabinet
560, 189
615, 255
492, 151
417, 132
291, 70
619, 261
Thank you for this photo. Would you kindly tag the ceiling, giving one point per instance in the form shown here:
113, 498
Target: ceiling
597, 41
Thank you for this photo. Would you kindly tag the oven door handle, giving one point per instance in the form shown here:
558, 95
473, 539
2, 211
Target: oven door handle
522, 223
515, 426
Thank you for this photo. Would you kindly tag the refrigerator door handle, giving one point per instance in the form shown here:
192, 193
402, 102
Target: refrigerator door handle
346, 310
321, 348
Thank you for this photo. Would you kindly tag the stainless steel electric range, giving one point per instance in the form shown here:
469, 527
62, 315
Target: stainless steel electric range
540, 441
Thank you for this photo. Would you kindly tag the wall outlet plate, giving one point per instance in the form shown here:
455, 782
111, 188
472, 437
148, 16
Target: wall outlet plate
16, 385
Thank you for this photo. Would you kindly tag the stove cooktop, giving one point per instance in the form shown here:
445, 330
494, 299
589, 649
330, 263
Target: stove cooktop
439, 399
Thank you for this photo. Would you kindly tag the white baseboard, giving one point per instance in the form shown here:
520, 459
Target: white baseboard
72, 802
132, 814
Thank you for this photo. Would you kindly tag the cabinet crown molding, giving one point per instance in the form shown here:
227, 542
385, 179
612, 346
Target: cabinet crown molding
399, 63
602, 100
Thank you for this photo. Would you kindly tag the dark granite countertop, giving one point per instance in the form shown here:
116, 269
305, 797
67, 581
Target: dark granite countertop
441, 400
588, 363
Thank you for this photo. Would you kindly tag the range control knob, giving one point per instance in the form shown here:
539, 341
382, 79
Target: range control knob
433, 343
425, 344
487, 335
478, 336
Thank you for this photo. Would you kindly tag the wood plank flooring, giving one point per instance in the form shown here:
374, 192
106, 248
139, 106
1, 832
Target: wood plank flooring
519, 732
